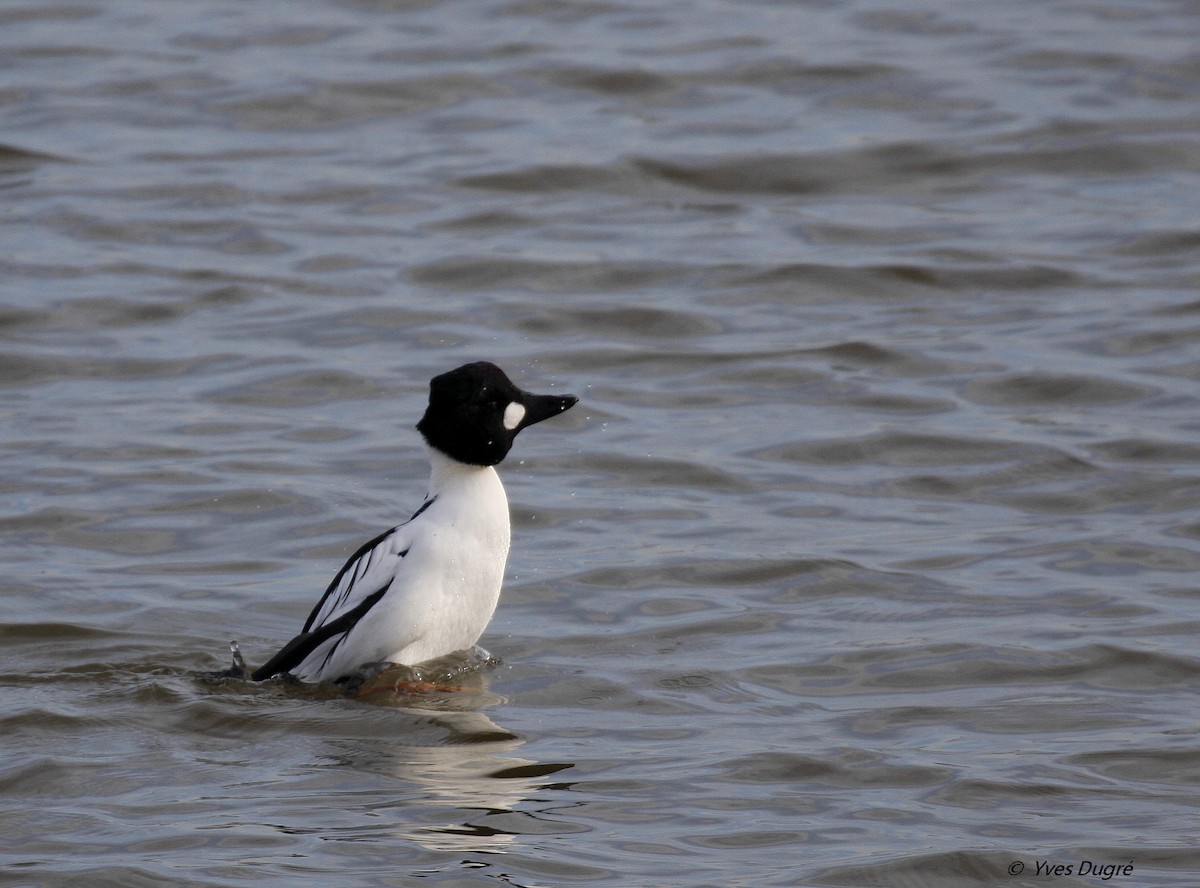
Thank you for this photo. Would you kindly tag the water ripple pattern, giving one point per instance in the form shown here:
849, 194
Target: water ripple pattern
868, 558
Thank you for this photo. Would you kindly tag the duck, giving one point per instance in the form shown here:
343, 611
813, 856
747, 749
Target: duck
429, 586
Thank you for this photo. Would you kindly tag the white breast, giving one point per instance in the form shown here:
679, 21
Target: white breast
447, 585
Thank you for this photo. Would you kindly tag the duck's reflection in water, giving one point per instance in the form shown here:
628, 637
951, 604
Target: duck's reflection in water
457, 757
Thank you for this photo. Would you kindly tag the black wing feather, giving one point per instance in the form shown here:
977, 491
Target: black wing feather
363, 550
358, 560
311, 637
297, 650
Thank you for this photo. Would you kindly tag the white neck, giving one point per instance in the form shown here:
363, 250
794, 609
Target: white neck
472, 501
448, 474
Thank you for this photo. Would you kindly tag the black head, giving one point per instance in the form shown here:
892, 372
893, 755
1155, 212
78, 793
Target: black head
475, 412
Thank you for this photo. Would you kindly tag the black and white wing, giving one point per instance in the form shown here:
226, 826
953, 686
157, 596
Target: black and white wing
358, 586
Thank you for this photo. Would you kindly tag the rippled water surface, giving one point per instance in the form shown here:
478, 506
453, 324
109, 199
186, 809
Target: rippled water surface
868, 558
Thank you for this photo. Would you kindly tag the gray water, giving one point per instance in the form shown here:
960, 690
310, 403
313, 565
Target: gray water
868, 558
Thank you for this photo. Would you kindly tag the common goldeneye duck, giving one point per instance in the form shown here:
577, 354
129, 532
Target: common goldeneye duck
428, 587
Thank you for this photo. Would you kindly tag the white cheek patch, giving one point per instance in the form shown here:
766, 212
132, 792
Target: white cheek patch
513, 414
